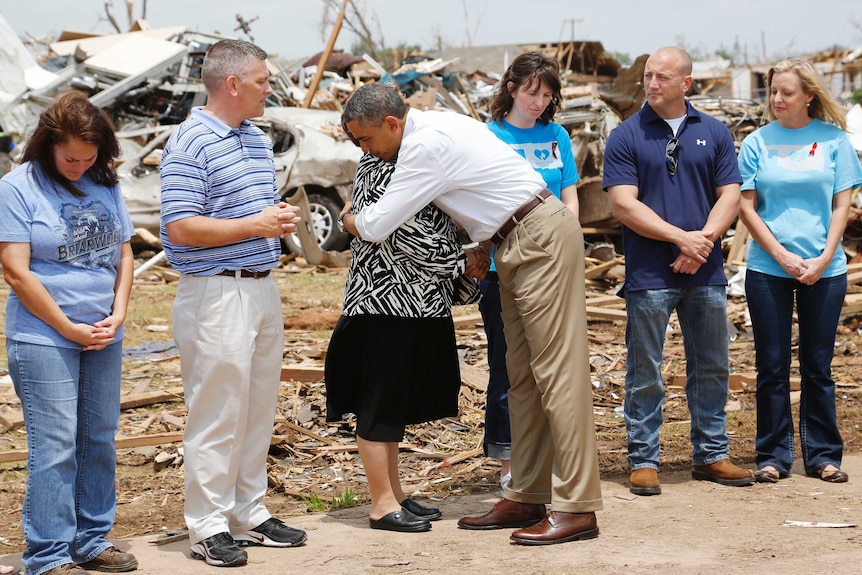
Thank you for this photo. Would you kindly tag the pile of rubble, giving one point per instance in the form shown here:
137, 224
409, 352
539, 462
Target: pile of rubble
149, 79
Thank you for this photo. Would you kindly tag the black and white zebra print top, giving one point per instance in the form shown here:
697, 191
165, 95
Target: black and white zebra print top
413, 272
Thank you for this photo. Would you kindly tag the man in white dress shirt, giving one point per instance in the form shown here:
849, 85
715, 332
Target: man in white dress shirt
469, 173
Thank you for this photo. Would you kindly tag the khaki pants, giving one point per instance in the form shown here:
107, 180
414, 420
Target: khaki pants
230, 333
541, 270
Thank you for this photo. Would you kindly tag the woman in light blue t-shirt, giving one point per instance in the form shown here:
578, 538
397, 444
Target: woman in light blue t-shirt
798, 172
64, 246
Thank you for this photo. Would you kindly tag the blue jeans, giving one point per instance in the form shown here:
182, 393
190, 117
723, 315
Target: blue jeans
498, 434
818, 307
71, 404
702, 313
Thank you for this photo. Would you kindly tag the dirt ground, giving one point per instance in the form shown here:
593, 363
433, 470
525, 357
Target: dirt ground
693, 527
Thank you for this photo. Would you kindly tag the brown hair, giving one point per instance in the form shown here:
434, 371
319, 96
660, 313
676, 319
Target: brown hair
525, 70
72, 116
824, 106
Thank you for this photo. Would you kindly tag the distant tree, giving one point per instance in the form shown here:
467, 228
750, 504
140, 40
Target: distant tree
358, 19
471, 33
623, 58
130, 17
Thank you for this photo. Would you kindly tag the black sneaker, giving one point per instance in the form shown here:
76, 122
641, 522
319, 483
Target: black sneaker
220, 550
272, 533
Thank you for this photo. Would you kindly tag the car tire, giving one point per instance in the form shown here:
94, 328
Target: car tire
324, 214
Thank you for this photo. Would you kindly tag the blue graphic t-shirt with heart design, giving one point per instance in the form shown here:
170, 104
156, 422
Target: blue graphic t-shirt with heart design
548, 149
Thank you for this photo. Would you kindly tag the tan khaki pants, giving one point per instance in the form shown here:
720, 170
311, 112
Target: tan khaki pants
541, 270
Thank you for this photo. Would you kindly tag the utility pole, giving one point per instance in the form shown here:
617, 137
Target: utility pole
572, 22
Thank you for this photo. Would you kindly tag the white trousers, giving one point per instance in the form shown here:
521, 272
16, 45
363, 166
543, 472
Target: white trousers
230, 333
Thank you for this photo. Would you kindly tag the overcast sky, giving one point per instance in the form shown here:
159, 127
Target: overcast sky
291, 28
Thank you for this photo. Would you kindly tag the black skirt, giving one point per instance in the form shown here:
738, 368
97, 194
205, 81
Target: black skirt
391, 372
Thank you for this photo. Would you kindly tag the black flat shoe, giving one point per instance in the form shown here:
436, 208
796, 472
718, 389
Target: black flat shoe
402, 520
416, 508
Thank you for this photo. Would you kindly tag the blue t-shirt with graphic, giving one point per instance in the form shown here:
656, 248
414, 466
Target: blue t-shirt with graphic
75, 246
547, 148
795, 174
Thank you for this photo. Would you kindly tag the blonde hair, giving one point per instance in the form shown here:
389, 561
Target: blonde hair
824, 106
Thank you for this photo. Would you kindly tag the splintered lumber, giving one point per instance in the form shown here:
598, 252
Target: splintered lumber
15, 419
737, 246
303, 374
121, 443
467, 320
454, 459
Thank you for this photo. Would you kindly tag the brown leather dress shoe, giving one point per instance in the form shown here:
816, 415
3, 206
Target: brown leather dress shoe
644, 481
505, 514
558, 527
723, 472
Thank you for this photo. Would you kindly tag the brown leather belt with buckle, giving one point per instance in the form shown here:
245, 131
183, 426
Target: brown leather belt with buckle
518, 216
243, 274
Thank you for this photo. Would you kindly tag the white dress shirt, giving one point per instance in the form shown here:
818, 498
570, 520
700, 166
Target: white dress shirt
460, 165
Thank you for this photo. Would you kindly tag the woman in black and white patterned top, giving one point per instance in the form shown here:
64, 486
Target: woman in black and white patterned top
392, 359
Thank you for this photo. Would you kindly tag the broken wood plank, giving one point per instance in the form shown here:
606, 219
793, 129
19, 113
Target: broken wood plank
601, 269
121, 443
305, 374
605, 313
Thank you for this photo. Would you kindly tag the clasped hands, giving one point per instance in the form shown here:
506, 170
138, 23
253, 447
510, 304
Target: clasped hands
282, 219
694, 247
478, 262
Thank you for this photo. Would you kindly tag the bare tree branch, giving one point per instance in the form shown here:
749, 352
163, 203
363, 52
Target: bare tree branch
111, 19
471, 33
356, 22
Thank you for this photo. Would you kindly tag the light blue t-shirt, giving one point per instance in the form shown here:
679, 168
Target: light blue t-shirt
547, 148
795, 174
75, 246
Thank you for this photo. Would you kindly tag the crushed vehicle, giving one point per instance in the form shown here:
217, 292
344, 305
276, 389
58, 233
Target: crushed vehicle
308, 154
148, 81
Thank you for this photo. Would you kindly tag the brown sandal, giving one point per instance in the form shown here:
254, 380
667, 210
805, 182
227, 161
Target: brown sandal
836, 476
766, 475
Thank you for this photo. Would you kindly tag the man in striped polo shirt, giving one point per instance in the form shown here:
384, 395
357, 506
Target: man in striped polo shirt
221, 218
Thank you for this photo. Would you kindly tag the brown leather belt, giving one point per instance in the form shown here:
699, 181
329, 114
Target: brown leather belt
519, 215
243, 274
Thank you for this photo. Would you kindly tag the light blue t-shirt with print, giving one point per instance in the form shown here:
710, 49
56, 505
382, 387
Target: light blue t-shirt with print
75, 246
547, 148
795, 174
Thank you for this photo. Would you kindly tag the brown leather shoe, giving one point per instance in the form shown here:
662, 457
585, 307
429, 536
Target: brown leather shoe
644, 481
558, 527
111, 560
505, 514
723, 472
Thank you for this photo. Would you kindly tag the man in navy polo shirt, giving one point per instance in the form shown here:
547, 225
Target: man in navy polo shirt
673, 181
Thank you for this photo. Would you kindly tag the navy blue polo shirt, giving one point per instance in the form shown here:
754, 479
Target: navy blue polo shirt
706, 160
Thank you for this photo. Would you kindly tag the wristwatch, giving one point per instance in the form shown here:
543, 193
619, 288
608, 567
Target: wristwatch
340, 222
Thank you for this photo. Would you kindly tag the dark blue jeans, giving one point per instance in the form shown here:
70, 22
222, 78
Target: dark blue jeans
818, 307
498, 434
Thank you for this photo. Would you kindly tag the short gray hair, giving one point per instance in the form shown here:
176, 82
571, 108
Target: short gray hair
373, 102
228, 58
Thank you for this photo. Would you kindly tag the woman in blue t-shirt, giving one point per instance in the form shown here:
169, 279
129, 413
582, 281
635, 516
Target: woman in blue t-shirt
798, 172
522, 112
64, 246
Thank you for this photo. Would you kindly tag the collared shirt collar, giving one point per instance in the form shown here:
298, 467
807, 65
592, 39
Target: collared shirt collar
649, 115
218, 127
